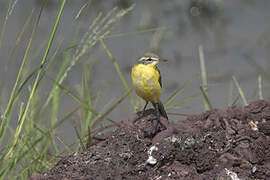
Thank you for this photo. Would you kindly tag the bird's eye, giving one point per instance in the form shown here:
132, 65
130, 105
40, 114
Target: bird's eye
149, 59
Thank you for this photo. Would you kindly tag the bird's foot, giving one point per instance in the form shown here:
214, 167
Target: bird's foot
139, 115
168, 130
162, 121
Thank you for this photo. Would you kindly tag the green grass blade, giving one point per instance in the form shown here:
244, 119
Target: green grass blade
80, 139
23, 118
240, 91
203, 75
86, 94
134, 32
58, 123
54, 92
24, 82
230, 94
55, 100
176, 93
18, 39
76, 98
118, 70
260, 87
6, 115
11, 6
101, 118
67, 147
206, 99
81, 9
16, 95
48, 133
182, 101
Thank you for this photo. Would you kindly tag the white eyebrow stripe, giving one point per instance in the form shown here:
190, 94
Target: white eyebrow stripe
154, 58
143, 58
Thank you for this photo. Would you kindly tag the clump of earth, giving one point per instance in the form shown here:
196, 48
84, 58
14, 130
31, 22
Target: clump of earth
218, 144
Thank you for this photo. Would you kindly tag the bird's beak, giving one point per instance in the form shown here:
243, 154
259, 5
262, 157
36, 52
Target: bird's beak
163, 60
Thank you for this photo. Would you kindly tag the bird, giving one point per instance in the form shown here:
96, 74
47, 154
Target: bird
146, 80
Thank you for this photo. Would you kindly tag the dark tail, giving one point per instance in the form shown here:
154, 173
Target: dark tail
162, 110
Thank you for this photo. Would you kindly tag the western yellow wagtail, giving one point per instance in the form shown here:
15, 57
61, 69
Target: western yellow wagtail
147, 83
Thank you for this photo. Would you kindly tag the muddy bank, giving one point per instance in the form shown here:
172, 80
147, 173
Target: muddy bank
218, 144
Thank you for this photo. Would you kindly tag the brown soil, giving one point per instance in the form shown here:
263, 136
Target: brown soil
218, 144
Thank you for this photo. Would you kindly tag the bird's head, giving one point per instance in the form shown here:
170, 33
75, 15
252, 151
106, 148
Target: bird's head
150, 59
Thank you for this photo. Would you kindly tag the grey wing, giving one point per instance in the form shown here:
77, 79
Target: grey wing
159, 80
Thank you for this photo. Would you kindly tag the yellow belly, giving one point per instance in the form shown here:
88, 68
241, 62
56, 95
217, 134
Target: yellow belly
145, 81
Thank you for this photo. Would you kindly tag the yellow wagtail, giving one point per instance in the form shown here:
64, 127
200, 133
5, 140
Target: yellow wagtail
147, 83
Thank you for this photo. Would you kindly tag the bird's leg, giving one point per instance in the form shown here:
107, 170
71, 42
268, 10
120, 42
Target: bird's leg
157, 114
140, 115
146, 103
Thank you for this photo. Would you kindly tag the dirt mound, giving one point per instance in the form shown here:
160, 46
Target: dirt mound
218, 144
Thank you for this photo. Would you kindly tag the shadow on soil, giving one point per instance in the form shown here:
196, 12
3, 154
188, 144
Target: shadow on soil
218, 144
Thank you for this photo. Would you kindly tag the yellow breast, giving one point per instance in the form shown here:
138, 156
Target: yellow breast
145, 79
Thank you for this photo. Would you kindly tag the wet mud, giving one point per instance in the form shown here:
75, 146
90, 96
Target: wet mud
218, 144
